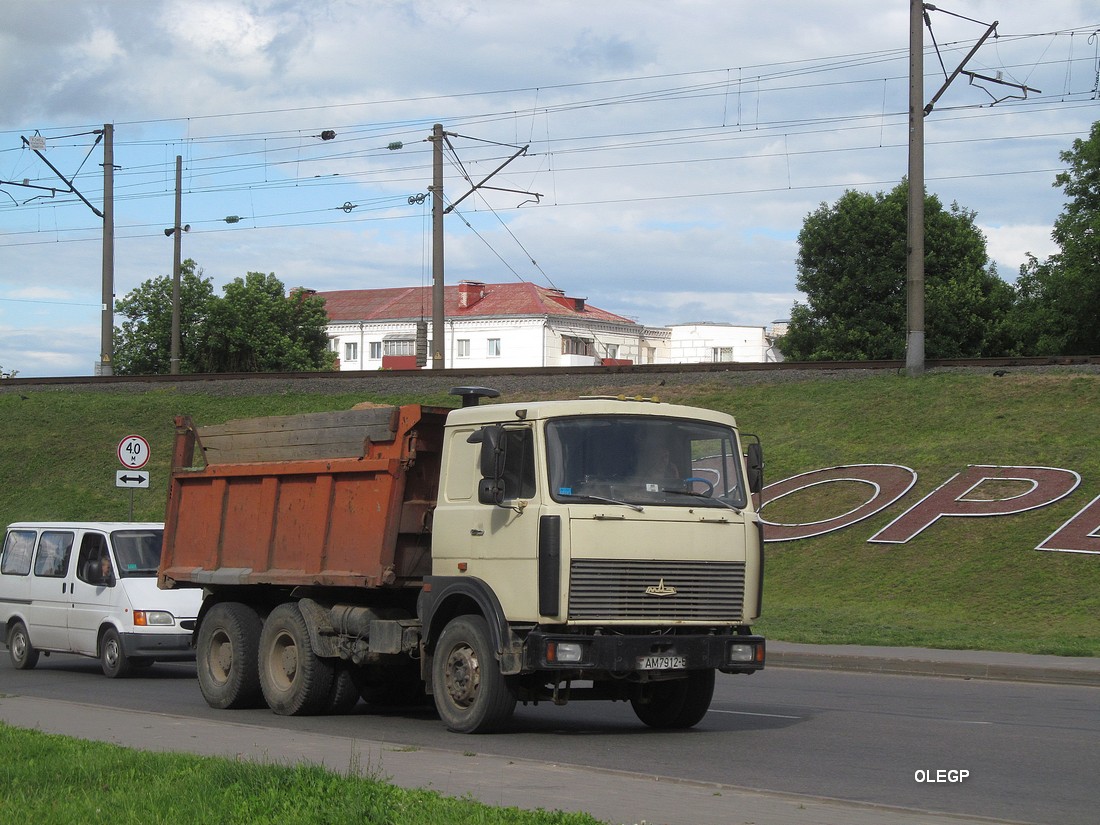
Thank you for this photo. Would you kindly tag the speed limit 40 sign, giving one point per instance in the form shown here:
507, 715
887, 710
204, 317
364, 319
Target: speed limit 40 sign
133, 452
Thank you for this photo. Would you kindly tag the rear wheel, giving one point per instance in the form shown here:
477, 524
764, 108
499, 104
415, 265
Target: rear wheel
295, 681
112, 657
681, 703
471, 694
227, 656
344, 694
23, 654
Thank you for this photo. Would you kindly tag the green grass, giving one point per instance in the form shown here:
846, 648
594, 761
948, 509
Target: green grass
55, 780
963, 583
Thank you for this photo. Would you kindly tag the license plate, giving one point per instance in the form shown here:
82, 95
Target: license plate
662, 662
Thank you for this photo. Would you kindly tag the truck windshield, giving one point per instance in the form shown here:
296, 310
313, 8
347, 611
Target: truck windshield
137, 552
644, 460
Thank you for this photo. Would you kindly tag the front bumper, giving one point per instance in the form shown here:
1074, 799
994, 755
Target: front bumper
619, 654
163, 647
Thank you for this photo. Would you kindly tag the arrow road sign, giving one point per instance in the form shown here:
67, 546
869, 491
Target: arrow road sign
129, 478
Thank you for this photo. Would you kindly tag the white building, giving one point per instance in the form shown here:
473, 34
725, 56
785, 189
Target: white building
517, 325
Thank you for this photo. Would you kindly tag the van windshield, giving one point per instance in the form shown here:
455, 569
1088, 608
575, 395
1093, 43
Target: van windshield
137, 552
644, 460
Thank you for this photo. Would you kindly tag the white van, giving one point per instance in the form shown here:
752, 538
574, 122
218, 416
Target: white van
91, 588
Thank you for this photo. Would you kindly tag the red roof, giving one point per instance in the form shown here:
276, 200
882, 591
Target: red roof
481, 301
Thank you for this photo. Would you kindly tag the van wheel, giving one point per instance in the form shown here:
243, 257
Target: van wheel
681, 703
112, 658
295, 680
227, 656
471, 694
23, 654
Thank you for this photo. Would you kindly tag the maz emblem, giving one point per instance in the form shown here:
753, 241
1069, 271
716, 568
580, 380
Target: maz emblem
660, 590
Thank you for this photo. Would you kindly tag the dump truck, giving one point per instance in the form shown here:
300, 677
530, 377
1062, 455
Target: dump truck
484, 555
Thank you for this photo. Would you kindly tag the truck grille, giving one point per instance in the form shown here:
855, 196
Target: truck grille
656, 590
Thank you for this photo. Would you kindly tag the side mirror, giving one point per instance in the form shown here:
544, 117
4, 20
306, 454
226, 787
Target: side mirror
490, 490
754, 460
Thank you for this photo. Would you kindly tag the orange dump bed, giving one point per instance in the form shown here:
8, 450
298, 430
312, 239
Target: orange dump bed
341, 499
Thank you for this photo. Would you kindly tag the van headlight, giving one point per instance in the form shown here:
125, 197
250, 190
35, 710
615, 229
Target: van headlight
153, 618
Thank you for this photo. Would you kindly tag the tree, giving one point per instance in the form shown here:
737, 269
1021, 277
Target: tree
852, 267
1057, 301
256, 327
143, 344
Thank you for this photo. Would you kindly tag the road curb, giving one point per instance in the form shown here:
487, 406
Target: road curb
963, 664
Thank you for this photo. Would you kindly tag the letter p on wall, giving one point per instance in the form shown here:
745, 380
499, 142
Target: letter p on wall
956, 497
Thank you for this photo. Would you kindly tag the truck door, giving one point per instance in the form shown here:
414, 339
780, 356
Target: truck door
50, 585
93, 593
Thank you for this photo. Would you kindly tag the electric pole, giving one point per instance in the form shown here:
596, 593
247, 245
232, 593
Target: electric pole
177, 232
914, 262
107, 324
438, 361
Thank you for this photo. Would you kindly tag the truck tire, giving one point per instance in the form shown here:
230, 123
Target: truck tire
227, 656
112, 656
295, 681
471, 694
344, 694
677, 704
23, 654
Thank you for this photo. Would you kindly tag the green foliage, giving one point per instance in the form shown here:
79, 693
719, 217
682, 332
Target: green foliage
257, 328
254, 327
143, 343
852, 267
49, 779
1058, 300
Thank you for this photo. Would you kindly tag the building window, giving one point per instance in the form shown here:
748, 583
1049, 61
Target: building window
572, 345
375, 350
399, 346
612, 350
463, 347
494, 347
334, 344
351, 351
721, 354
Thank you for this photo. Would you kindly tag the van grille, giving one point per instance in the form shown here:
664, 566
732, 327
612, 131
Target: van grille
617, 590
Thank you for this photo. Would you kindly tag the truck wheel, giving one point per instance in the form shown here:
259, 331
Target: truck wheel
344, 694
23, 654
295, 681
227, 656
471, 694
112, 658
676, 704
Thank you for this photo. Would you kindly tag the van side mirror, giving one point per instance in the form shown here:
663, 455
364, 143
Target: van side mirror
490, 490
754, 460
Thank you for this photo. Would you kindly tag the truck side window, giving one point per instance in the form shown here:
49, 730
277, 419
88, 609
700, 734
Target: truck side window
18, 546
519, 464
53, 554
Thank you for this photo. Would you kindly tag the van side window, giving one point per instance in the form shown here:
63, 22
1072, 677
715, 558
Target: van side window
93, 548
54, 548
18, 546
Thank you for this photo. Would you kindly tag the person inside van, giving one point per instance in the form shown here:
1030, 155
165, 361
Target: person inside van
105, 576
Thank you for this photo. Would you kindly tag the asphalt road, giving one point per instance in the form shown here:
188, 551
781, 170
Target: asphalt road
1030, 750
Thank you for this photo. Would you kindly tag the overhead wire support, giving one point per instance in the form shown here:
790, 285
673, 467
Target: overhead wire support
72, 189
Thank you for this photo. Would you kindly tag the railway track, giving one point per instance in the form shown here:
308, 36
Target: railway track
638, 372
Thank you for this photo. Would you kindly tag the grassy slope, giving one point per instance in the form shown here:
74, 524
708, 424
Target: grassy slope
962, 583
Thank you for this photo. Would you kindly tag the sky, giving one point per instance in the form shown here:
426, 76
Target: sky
657, 159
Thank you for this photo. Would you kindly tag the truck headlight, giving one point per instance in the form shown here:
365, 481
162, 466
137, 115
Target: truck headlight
739, 652
564, 652
157, 618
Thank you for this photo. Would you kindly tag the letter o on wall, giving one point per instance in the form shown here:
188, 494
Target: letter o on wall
888, 483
